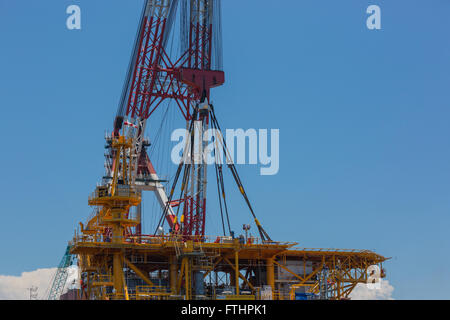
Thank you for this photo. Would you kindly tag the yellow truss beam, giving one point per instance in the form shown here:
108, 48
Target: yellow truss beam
213, 267
240, 274
138, 272
291, 272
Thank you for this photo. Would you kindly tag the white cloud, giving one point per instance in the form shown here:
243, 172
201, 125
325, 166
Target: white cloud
16, 287
363, 292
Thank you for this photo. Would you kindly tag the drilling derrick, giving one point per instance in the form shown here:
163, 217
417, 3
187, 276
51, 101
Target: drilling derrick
154, 77
117, 260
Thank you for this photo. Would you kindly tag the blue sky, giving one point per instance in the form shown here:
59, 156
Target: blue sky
363, 118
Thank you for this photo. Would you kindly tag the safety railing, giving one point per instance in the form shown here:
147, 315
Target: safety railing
100, 280
236, 297
114, 296
170, 239
90, 238
121, 191
280, 295
332, 250
151, 292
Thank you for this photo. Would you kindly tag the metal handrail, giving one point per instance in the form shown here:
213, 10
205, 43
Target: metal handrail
167, 239
151, 289
332, 249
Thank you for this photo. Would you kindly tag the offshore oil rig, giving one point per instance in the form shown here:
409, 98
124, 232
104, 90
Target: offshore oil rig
116, 260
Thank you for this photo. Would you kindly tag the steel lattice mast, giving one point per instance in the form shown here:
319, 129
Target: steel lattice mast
154, 76
61, 275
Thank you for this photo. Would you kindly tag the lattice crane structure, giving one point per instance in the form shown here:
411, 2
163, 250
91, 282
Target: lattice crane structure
117, 261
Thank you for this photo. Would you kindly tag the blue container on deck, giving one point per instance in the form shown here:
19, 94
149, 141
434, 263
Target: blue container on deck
304, 296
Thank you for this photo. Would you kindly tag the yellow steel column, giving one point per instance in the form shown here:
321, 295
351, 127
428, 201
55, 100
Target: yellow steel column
187, 278
339, 289
117, 231
173, 274
118, 273
232, 277
88, 284
180, 276
236, 270
125, 288
270, 270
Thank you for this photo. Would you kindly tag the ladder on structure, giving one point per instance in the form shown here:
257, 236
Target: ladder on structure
176, 245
